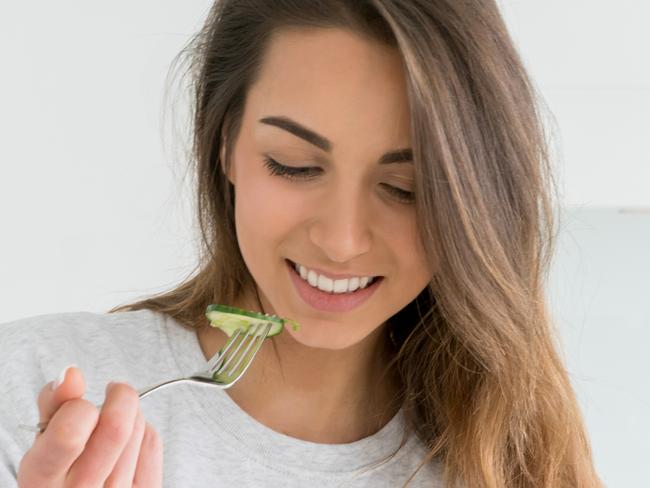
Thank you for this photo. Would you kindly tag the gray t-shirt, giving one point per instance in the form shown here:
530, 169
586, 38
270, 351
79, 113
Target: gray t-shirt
208, 439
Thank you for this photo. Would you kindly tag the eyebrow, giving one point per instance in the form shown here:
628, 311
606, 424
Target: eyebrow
299, 130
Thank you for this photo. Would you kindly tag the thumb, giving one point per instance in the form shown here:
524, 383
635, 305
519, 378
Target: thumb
69, 385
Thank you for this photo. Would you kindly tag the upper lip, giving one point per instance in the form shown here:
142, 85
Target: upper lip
334, 276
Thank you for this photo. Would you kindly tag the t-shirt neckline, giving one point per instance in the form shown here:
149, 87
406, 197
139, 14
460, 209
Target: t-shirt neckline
219, 411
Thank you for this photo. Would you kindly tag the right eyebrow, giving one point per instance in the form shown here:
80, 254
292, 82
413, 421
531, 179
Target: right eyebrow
323, 143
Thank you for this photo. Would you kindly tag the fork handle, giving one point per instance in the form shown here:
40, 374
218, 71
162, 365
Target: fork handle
143, 392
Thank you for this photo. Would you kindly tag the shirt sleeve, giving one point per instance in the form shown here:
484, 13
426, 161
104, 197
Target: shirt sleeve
11, 452
18, 377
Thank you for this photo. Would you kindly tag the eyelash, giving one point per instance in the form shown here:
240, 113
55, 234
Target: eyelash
290, 172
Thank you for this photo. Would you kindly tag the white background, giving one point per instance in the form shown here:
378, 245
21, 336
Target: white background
94, 212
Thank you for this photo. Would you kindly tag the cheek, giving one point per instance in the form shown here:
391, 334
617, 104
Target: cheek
408, 246
264, 212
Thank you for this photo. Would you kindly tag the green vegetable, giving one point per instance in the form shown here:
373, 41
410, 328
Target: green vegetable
229, 319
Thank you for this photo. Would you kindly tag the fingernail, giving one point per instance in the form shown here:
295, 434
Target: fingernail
61, 378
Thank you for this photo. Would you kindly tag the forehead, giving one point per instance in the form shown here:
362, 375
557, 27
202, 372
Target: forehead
336, 82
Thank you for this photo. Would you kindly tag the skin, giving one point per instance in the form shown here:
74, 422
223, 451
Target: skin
86, 446
319, 385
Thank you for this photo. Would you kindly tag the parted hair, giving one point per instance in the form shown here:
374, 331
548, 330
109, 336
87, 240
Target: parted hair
483, 383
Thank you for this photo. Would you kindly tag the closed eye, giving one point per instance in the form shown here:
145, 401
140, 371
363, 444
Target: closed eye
309, 172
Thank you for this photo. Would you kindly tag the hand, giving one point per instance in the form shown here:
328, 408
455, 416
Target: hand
83, 446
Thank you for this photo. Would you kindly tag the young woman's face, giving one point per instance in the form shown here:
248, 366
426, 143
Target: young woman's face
348, 214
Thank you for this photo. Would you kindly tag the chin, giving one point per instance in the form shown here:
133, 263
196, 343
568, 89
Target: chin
320, 340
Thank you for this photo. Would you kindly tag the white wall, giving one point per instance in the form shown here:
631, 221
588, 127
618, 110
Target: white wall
89, 196
590, 60
599, 289
93, 211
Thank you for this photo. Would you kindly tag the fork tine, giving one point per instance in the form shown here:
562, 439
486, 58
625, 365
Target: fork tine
228, 359
253, 338
217, 359
233, 376
233, 354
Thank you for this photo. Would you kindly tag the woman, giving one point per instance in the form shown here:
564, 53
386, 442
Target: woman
392, 144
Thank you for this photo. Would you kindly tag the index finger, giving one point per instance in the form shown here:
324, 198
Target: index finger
54, 451
49, 400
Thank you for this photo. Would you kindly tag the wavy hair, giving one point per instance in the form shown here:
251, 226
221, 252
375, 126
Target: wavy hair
483, 384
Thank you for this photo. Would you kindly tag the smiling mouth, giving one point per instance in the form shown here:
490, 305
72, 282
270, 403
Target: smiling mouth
329, 300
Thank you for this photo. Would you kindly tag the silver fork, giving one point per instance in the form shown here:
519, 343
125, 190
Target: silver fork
224, 369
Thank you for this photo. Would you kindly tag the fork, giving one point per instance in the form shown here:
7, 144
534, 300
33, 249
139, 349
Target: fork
224, 369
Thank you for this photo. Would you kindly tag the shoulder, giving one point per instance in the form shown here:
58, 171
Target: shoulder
78, 330
412, 462
66, 322
36, 348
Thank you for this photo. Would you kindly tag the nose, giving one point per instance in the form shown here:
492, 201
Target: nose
342, 229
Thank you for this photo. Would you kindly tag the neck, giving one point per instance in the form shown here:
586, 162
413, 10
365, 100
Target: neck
319, 395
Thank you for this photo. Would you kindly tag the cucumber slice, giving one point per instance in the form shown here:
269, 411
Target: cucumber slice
229, 319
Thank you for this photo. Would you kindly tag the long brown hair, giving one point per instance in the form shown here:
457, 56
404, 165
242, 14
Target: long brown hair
483, 384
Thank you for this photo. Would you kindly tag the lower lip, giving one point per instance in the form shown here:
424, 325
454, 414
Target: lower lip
331, 302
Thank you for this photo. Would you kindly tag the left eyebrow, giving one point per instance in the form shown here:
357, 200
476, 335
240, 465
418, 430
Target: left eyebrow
323, 143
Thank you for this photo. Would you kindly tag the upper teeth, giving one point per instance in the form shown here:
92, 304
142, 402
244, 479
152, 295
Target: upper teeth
329, 285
